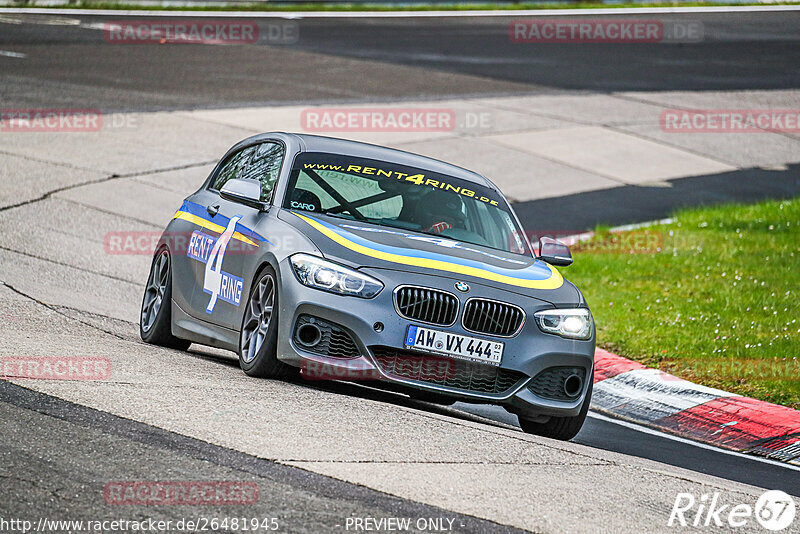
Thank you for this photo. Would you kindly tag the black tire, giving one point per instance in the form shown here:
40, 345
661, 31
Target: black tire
563, 428
155, 317
258, 336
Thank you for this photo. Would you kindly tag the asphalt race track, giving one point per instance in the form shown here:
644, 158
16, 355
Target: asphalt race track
321, 453
67, 63
426, 58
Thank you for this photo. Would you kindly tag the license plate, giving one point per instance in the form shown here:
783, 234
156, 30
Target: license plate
463, 347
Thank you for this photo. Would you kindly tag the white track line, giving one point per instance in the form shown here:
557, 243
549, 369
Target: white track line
399, 14
19, 55
647, 430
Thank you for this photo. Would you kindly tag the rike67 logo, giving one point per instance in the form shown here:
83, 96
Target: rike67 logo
774, 510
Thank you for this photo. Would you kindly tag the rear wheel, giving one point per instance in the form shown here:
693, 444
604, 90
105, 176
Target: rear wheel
155, 320
258, 341
563, 428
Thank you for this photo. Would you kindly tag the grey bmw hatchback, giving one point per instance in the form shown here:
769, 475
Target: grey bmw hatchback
335, 259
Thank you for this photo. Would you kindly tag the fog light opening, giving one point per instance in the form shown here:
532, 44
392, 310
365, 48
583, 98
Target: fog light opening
573, 386
309, 335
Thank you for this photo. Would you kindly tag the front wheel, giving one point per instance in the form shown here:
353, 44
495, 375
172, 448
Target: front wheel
258, 341
155, 320
563, 428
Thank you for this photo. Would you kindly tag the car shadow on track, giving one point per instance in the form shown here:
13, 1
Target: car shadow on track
210, 354
597, 433
367, 390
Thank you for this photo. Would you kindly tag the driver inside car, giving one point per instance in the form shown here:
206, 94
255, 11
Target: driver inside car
439, 211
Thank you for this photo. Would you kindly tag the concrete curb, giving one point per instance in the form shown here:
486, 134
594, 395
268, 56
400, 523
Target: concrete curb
628, 390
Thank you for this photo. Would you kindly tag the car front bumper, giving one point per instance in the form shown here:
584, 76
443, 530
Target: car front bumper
526, 355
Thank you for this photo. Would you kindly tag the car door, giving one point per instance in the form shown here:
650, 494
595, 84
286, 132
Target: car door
226, 249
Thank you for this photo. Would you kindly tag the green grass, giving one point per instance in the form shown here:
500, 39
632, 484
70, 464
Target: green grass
354, 7
718, 304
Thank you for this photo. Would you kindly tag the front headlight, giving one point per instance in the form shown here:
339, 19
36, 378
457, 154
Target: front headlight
328, 276
572, 323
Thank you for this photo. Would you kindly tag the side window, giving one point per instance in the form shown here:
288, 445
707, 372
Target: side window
233, 167
265, 165
259, 162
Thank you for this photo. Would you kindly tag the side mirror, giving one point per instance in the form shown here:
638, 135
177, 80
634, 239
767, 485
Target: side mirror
246, 192
554, 252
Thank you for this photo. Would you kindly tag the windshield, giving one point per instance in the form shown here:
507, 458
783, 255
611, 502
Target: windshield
403, 197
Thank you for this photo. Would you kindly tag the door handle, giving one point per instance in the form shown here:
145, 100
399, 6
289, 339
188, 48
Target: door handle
212, 210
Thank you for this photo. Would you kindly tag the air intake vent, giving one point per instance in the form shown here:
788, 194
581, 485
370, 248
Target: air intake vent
331, 340
446, 372
559, 383
426, 305
492, 317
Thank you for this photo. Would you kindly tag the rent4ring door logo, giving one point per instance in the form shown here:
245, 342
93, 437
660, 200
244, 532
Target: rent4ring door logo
209, 250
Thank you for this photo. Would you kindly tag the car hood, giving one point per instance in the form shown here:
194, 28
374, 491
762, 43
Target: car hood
361, 244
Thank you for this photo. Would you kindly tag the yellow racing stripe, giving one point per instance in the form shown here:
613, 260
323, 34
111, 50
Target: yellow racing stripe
554, 281
208, 225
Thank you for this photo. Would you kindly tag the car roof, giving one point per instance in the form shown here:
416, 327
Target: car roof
319, 143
